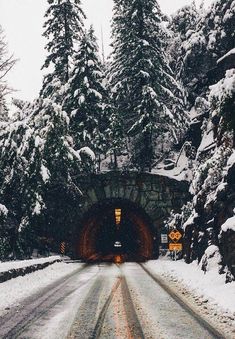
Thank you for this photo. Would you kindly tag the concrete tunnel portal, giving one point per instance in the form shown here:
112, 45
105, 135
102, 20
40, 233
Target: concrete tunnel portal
116, 228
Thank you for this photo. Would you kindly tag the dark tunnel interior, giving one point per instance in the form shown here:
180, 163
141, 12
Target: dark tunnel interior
115, 230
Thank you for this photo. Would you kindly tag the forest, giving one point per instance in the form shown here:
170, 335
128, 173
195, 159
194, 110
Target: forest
163, 102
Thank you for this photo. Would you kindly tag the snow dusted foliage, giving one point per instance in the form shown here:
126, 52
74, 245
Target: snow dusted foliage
205, 64
222, 97
209, 233
63, 28
211, 203
3, 213
182, 24
146, 95
86, 97
21, 108
118, 148
176, 220
213, 36
3, 110
38, 159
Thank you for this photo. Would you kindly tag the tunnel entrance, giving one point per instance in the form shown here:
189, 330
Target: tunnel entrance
116, 230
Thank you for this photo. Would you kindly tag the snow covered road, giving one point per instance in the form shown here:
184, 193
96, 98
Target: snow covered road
100, 301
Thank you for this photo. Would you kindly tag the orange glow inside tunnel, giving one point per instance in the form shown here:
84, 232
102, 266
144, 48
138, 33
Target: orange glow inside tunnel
115, 230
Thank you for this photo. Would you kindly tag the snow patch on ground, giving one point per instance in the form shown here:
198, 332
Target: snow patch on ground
58, 325
15, 290
207, 286
207, 141
181, 171
172, 174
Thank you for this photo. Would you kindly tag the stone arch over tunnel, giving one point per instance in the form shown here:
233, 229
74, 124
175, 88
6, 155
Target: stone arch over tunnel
146, 199
135, 235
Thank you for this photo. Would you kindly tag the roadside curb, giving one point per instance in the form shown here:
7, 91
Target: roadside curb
20, 272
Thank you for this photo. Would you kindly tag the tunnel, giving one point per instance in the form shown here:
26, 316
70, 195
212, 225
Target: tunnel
116, 230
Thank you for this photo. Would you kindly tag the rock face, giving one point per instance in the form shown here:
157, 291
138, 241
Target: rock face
206, 227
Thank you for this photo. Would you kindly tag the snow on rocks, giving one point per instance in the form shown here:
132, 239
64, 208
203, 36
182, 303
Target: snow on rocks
211, 258
224, 88
74, 154
88, 152
229, 225
3, 210
180, 172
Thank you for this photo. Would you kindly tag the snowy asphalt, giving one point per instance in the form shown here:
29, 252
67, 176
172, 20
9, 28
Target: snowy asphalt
104, 301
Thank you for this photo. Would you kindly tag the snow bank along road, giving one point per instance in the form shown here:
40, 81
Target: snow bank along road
104, 301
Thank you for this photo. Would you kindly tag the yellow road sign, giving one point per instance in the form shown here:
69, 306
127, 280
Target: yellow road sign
175, 247
175, 235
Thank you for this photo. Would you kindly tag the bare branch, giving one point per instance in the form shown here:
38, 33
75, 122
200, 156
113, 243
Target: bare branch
6, 64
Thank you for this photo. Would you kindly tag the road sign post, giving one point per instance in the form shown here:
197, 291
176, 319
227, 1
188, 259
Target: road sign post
174, 244
62, 248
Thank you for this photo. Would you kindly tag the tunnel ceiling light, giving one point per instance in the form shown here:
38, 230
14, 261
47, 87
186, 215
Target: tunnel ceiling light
118, 213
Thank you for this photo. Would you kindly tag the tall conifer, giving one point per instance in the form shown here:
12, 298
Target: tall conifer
63, 28
86, 96
145, 91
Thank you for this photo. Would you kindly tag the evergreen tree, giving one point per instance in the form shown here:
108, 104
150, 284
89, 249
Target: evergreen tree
63, 28
145, 92
116, 136
3, 110
86, 97
21, 108
13, 166
38, 163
